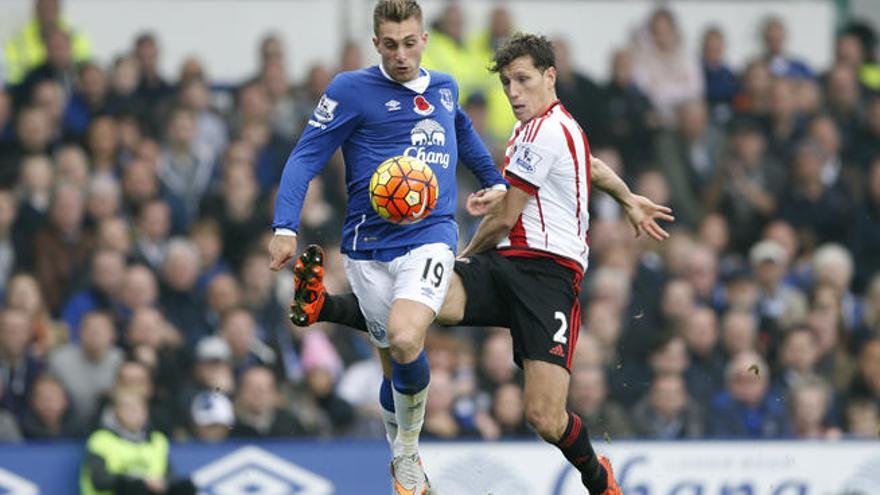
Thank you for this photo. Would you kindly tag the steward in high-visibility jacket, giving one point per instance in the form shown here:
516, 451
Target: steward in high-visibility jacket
124, 457
26, 50
468, 62
500, 118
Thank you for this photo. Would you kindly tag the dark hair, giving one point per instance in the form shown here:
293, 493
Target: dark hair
48, 377
395, 11
664, 13
523, 44
866, 36
771, 21
145, 37
178, 110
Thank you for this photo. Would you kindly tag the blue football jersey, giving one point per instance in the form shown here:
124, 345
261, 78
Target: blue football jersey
373, 118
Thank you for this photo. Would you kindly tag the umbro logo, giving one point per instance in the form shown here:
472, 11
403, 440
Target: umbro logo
14, 485
254, 470
392, 105
557, 350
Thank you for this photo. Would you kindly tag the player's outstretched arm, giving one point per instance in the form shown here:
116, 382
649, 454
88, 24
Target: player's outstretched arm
333, 121
282, 249
485, 201
498, 223
641, 212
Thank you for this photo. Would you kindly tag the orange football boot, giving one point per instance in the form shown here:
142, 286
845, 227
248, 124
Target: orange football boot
613, 487
308, 287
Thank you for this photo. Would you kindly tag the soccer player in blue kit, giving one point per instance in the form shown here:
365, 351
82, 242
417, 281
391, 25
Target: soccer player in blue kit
524, 266
400, 273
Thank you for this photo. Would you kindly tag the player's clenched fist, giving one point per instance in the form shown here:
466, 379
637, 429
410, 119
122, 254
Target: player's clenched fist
282, 248
484, 201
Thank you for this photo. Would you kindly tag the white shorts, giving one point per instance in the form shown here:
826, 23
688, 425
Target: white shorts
422, 275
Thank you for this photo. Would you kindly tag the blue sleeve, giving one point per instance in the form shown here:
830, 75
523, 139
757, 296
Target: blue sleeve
335, 118
473, 152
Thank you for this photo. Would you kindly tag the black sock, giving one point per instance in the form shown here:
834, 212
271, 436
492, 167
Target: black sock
344, 310
576, 447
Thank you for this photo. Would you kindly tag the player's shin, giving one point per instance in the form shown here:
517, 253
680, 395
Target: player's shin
410, 392
389, 417
576, 447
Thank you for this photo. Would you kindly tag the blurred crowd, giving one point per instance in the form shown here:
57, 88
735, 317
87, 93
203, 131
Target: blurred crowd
135, 210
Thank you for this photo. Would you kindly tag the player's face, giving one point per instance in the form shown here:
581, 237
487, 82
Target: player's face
400, 44
529, 90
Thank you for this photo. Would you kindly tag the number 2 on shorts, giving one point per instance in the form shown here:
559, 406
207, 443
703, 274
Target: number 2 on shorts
559, 336
437, 272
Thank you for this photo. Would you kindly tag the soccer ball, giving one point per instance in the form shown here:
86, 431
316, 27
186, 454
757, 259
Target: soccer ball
403, 190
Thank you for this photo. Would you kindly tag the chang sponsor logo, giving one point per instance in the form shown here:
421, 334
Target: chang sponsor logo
636, 476
428, 132
254, 470
866, 479
425, 134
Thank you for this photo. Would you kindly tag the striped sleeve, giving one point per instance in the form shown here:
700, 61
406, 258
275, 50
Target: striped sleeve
530, 166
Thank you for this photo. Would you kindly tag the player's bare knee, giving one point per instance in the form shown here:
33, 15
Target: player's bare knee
405, 345
405, 339
407, 326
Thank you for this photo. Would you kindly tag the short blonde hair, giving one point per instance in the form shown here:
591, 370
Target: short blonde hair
395, 11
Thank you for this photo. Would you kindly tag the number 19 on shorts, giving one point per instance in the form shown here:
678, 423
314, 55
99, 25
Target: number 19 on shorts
433, 272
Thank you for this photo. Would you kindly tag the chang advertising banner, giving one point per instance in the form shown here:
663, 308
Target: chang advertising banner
500, 468
655, 468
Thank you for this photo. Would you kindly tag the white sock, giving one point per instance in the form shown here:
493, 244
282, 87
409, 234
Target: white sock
410, 413
389, 419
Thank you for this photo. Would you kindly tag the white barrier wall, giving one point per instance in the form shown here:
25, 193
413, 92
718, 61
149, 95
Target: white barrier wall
663, 468
225, 33
598, 27
346, 467
868, 10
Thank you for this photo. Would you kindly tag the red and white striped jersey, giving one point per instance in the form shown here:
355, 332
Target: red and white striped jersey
549, 158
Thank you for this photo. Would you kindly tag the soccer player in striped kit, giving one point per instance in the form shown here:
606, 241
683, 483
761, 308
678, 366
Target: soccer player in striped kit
523, 268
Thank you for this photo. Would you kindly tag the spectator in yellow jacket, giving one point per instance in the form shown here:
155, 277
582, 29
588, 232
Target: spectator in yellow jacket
126, 457
26, 50
468, 61
482, 47
447, 52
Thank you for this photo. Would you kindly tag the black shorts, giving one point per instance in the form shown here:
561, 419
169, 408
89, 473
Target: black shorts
536, 298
